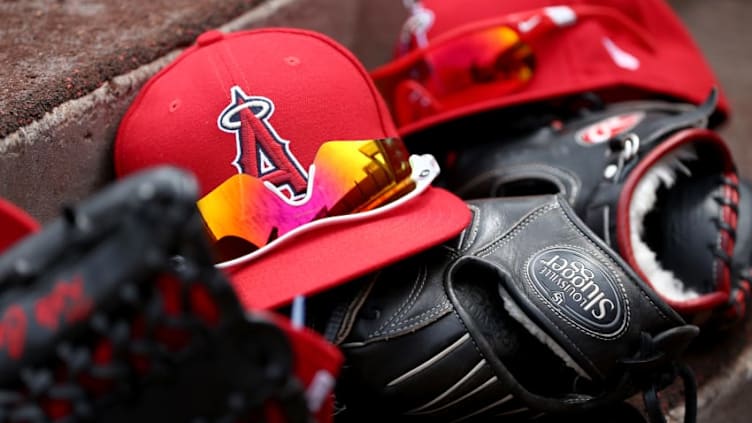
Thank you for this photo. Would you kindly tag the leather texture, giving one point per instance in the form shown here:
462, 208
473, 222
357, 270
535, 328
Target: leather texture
597, 160
124, 318
688, 243
526, 312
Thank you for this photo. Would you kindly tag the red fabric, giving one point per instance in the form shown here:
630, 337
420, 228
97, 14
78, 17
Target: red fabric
320, 92
333, 255
316, 360
576, 59
14, 224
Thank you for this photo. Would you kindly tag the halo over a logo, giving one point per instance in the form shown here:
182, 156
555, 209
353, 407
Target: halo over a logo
261, 152
580, 290
608, 128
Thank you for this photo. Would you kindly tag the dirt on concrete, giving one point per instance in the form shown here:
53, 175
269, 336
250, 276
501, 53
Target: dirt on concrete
52, 51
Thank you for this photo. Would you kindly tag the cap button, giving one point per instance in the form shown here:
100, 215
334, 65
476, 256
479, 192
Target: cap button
209, 37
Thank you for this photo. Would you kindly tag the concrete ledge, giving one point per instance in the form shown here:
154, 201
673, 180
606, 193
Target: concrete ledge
53, 51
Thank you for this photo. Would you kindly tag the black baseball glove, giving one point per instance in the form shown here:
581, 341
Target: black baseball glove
114, 312
648, 178
526, 313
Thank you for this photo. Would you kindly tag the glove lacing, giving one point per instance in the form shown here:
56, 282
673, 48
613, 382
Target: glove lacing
739, 294
654, 368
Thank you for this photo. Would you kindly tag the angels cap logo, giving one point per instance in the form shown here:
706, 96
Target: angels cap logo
261, 152
608, 128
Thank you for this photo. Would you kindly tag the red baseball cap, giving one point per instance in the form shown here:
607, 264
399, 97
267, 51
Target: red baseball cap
621, 48
15, 224
257, 107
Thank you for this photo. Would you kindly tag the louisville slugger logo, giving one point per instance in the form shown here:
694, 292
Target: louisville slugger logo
580, 289
608, 128
261, 152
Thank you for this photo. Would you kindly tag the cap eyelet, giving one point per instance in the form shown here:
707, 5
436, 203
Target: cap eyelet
292, 60
174, 105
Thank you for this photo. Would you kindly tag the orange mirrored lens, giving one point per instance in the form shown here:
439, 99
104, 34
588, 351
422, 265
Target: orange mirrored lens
346, 177
495, 55
489, 57
492, 55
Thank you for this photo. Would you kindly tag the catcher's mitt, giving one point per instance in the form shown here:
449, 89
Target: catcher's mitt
115, 312
526, 312
645, 176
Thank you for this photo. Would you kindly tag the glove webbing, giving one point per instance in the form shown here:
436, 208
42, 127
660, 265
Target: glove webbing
148, 328
137, 343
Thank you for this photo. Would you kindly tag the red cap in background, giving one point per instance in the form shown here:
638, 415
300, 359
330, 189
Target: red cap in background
628, 46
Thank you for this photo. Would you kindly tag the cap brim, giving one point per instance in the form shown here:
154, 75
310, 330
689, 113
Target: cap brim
468, 104
14, 224
325, 257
